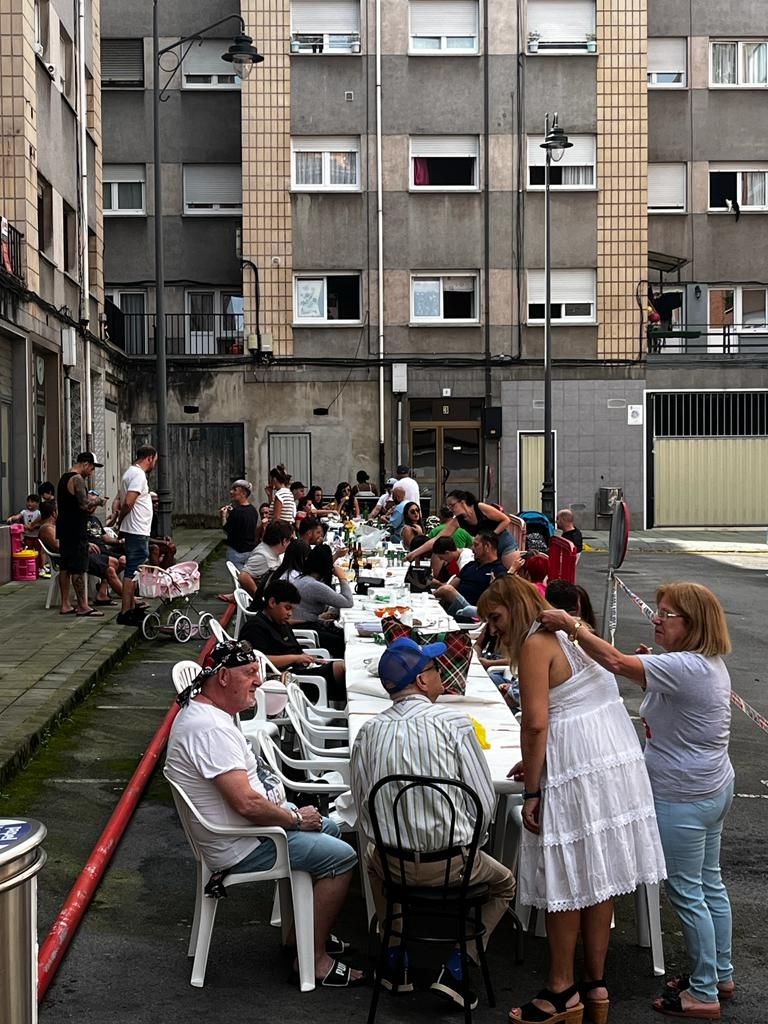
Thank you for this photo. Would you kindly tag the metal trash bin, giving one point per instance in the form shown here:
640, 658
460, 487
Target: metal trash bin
20, 860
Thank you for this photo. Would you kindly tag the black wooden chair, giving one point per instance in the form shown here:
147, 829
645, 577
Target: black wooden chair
450, 912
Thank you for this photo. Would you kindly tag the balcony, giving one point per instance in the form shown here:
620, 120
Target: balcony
702, 342
325, 42
11, 252
186, 334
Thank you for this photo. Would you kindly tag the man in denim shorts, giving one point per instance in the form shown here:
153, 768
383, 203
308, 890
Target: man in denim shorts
135, 524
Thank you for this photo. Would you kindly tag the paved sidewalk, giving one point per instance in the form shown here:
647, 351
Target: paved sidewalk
49, 662
735, 540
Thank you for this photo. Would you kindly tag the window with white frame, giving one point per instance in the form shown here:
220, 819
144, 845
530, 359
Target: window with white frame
214, 321
325, 26
742, 306
443, 26
562, 24
203, 67
576, 169
444, 298
738, 63
122, 63
326, 298
667, 188
124, 190
213, 189
738, 187
572, 296
445, 163
324, 164
667, 63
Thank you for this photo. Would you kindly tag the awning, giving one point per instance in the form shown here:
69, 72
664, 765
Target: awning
665, 263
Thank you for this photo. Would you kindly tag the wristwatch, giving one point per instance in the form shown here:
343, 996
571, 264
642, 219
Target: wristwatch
573, 635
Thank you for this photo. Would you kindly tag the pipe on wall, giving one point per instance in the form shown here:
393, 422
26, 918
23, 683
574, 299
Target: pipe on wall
380, 243
85, 282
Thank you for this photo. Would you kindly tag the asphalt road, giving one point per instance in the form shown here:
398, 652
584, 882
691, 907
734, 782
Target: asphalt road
128, 962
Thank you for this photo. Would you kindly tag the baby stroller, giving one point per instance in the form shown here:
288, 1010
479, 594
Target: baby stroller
540, 530
169, 585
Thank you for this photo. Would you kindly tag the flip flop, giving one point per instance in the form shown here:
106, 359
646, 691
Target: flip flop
340, 976
669, 1004
70, 612
105, 604
90, 613
226, 598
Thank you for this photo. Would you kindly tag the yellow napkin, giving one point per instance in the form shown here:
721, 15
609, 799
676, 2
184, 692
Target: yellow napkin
480, 733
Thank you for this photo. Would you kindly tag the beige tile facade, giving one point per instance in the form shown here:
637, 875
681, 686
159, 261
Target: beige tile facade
266, 126
622, 142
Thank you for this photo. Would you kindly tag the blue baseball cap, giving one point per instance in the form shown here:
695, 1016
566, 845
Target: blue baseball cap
404, 660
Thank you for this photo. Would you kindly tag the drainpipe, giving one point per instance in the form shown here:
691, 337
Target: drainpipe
67, 418
85, 283
380, 244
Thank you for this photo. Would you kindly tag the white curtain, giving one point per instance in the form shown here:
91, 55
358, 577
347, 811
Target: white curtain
343, 168
578, 176
753, 191
724, 60
755, 63
309, 168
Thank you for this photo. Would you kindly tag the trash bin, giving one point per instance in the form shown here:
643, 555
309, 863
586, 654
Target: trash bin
20, 860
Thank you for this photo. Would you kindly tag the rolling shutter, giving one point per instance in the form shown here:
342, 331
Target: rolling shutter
561, 20
581, 154
567, 286
206, 58
316, 17
445, 145
122, 62
443, 17
666, 186
666, 55
124, 172
213, 185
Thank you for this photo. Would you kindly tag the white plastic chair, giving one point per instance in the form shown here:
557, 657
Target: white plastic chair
184, 673
295, 891
243, 602
321, 776
312, 738
306, 636
312, 712
234, 572
52, 559
218, 632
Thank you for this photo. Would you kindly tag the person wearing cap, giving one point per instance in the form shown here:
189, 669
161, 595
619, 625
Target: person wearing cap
212, 762
385, 500
240, 522
408, 484
134, 521
74, 506
417, 736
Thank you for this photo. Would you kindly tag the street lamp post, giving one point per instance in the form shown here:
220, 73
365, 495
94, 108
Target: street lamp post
243, 56
555, 143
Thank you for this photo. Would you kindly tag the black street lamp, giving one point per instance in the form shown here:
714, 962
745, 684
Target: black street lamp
243, 56
555, 143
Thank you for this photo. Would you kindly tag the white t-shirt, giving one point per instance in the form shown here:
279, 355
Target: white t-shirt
139, 519
410, 487
205, 743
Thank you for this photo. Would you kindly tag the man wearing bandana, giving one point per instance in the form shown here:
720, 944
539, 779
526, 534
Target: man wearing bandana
210, 759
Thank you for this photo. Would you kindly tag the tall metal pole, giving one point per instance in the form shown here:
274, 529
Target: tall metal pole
165, 502
548, 487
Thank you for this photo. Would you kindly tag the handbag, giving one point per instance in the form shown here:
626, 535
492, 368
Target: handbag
453, 665
418, 578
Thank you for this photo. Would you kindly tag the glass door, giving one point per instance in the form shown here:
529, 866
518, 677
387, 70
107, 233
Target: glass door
446, 457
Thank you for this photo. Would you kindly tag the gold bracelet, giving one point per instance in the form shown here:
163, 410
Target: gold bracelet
573, 635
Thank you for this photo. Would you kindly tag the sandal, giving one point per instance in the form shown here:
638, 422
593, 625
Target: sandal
226, 598
105, 604
90, 613
530, 1014
340, 976
681, 983
335, 946
595, 1010
669, 1004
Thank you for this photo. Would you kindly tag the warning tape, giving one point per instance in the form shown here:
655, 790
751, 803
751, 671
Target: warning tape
760, 720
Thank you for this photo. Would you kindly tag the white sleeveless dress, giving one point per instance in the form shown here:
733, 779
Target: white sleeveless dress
598, 836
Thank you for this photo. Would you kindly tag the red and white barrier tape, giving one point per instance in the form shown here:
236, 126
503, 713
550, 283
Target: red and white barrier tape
760, 720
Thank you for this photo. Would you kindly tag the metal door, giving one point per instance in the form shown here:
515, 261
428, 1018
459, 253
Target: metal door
5, 461
446, 457
294, 451
111, 466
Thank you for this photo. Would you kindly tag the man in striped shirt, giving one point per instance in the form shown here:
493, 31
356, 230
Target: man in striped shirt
416, 736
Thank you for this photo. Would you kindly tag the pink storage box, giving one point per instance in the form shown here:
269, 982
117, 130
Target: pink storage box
24, 566
17, 537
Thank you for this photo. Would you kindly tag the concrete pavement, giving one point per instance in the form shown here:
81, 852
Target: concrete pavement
691, 541
49, 662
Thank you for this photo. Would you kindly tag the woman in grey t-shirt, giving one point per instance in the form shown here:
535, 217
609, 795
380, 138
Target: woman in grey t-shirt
687, 715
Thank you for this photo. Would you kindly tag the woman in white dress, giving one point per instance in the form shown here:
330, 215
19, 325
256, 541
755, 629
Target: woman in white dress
590, 829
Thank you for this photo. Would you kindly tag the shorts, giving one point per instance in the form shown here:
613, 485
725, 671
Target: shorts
74, 555
506, 542
136, 553
98, 565
321, 854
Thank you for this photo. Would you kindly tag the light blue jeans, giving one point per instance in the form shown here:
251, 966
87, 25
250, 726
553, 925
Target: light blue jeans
238, 558
690, 835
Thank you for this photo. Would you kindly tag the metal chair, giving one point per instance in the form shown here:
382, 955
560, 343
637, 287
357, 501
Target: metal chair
456, 902
295, 890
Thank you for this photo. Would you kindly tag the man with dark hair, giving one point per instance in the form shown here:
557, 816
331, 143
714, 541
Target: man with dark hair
134, 521
562, 594
269, 631
266, 556
74, 507
460, 595
447, 559
311, 530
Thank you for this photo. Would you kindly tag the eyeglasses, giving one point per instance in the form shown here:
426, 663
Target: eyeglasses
663, 614
451, 505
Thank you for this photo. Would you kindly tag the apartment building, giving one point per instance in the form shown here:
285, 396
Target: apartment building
386, 300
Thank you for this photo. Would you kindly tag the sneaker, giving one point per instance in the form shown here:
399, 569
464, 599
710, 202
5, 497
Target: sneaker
45, 574
395, 978
448, 986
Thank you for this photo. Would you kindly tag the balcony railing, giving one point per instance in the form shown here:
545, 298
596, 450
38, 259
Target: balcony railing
11, 250
745, 340
325, 42
186, 334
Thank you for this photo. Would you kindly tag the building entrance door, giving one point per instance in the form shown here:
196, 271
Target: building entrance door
446, 457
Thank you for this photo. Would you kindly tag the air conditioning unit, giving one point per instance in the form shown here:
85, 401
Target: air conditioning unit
39, 49
51, 69
607, 498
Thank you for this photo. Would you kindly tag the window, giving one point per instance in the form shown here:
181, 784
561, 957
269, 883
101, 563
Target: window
444, 298
738, 187
739, 63
575, 170
332, 298
667, 63
42, 22
44, 215
203, 67
743, 307
70, 239
124, 186
65, 69
562, 24
444, 163
213, 189
667, 188
572, 296
127, 321
324, 164
214, 322
122, 63
443, 26
325, 26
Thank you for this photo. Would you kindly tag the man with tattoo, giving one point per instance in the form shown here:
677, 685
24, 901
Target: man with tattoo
74, 506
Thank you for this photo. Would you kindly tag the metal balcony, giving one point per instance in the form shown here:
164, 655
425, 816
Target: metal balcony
11, 253
186, 334
737, 341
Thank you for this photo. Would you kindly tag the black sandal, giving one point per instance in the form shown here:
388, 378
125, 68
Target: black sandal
595, 1010
340, 976
530, 1014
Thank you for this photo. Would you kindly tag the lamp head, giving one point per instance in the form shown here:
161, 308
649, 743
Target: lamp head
556, 141
243, 56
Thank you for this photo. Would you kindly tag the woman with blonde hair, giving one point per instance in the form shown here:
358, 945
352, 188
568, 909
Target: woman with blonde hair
589, 827
687, 715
